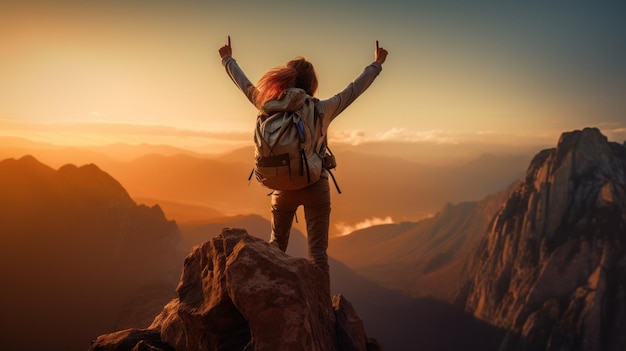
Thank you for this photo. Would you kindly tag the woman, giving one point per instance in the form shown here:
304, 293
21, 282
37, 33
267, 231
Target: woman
299, 73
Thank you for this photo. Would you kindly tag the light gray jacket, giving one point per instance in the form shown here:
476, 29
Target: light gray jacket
329, 108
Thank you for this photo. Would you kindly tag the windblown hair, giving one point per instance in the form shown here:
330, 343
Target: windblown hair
297, 73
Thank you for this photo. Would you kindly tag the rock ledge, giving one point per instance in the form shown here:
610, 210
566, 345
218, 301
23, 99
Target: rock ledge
237, 292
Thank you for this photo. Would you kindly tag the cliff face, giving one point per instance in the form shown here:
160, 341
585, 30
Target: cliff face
74, 245
551, 269
237, 292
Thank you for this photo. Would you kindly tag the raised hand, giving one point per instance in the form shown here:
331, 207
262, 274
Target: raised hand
380, 55
226, 50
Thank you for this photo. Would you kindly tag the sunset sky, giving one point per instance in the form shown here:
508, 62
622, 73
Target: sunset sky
94, 72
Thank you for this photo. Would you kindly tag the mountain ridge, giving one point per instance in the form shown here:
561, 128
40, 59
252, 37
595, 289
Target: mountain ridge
551, 267
223, 179
73, 244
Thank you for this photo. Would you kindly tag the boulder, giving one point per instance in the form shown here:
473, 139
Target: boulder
238, 292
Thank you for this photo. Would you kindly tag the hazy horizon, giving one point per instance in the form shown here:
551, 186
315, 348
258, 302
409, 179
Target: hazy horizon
201, 187
407, 182
102, 136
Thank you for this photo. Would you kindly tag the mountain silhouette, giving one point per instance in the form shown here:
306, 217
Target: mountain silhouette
551, 267
372, 176
74, 247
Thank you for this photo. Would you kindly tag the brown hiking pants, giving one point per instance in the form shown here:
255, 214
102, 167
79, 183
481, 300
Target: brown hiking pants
316, 201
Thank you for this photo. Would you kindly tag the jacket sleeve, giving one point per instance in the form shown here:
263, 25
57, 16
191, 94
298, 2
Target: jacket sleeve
336, 104
239, 78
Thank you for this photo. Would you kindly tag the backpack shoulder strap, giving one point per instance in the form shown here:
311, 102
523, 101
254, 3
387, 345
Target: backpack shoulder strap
328, 159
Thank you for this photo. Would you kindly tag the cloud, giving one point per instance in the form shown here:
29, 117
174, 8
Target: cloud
120, 128
98, 133
454, 137
344, 229
356, 137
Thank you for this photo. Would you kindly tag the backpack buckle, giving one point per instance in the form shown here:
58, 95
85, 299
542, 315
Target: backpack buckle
329, 162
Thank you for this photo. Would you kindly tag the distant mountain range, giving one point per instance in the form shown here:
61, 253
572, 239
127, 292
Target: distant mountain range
537, 265
81, 258
378, 180
420, 259
111, 264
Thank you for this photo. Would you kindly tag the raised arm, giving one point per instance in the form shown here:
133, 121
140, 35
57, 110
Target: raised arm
336, 104
235, 72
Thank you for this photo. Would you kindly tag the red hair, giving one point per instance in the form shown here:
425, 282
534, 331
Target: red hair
297, 73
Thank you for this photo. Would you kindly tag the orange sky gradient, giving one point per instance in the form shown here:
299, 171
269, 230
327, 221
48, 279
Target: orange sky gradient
91, 73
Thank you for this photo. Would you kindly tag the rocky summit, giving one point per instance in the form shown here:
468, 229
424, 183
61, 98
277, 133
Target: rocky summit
552, 267
238, 292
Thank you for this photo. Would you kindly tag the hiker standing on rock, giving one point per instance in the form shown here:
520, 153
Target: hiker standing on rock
288, 111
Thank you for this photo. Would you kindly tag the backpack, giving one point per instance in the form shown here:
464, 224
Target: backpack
290, 150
